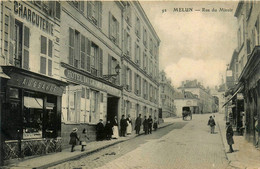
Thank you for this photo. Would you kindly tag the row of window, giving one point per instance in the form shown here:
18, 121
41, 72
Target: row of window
128, 18
148, 91
18, 36
95, 15
138, 108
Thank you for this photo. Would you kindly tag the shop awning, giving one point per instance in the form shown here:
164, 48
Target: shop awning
31, 102
240, 88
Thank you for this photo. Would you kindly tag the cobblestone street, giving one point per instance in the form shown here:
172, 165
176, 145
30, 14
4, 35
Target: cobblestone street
185, 144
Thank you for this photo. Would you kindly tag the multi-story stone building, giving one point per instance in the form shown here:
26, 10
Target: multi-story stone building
70, 64
30, 103
206, 101
166, 96
140, 63
247, 13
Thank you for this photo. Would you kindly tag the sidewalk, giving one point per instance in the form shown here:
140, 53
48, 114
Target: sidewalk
246, 156
48, 160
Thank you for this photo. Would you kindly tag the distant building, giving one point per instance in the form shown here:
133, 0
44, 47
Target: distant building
186, 101
166, 96
205, 98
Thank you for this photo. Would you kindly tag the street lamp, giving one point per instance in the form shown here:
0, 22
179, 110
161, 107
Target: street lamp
117, 69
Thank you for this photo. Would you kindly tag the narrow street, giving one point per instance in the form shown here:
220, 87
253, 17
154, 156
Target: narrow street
185, 144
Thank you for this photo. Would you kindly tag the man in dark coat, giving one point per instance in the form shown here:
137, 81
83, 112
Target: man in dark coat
150, 124
145, 125
229, 136
138, 123
100, 130
123, 125
108, 130
212, 124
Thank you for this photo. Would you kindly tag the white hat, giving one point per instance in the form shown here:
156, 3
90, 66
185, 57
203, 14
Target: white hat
75, 129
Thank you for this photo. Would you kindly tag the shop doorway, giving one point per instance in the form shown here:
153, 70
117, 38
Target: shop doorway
112, 107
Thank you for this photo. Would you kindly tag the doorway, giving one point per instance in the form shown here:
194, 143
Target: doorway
112, 107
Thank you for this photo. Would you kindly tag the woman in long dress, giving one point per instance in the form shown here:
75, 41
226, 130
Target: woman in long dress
115, 128
129, 125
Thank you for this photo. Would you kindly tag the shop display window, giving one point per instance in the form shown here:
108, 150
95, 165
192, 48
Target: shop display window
32, 117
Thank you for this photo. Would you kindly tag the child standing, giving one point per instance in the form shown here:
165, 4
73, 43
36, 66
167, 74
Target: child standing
212, 124
73, 138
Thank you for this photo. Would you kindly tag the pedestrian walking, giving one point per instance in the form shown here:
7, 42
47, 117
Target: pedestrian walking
155, 124
123, 125
138, 123
212, 124
100, 130
73, 139
145, 125
150, 124
229, 136
115, 128
83, 139
108, 130
129, 125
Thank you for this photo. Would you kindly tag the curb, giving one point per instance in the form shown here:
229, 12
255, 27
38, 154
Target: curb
223, 143
90, 152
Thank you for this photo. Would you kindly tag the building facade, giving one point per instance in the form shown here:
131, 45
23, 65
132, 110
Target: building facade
68, 64
166, 96
247, 89
31, 95
140, 63
91, 50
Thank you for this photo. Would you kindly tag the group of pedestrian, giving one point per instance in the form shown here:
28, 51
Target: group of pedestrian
147, 124
110, 130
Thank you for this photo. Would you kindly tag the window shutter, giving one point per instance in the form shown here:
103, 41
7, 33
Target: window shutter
43, 65
26, 59
124, 75
117, 32
130, 81
82, 51
100, 15
88, 47
43, 45
130, 46
81, 5
110, 25
109, 64
125, 41
71, 46
49, 67
50, 48
58, 10
11, 44
100, 62
89, 8
140, 85
135, 79
83, 95
26, 37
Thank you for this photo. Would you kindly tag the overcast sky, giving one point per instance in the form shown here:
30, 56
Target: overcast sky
195, 44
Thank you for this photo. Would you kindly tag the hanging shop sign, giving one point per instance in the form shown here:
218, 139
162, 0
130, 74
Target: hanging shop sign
240, 96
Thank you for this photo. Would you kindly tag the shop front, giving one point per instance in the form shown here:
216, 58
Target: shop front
86, 100
30, 113
250, 80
